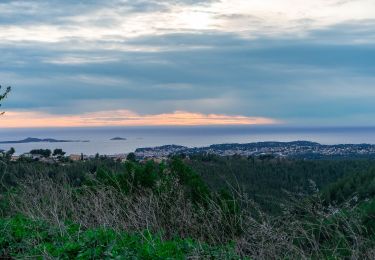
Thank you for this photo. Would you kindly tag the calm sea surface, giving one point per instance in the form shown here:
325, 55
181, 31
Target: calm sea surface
188, 136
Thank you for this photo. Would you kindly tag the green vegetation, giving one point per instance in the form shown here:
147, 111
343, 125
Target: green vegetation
131, 157
359, 186
58, 152
42, 152
266, 179
203, 207
22, 237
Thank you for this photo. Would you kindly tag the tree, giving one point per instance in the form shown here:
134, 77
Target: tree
131, 157
58, 152
42, 152
4, 95
10, 153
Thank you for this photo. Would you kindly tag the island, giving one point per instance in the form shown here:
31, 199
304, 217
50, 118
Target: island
118, 139
39, 140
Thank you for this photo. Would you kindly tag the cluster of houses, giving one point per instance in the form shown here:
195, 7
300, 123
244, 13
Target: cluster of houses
60, 158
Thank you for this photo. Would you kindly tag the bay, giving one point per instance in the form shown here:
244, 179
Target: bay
197, 136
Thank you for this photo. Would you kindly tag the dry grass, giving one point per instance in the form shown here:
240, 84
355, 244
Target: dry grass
305, 230
170, 211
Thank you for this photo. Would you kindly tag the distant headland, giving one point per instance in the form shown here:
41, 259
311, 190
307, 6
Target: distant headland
38, 140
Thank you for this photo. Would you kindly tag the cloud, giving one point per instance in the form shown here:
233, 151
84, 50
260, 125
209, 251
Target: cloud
126, 118
204, 73
252, 58
56, 21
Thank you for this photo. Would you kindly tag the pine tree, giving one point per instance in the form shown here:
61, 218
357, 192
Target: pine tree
4, 95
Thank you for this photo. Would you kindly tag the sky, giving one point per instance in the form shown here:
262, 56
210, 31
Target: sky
188, 62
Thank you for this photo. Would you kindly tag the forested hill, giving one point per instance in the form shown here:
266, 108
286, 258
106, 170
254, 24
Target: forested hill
268, 180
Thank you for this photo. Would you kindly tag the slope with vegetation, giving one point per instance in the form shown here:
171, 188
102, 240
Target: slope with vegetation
269, 180
105, 209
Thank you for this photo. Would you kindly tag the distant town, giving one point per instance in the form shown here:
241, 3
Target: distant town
296, 149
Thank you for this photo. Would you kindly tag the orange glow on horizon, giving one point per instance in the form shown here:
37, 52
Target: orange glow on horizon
125, 118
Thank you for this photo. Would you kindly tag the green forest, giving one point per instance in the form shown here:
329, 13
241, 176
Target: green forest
204, 206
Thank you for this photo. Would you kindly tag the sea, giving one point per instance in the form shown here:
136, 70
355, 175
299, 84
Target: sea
194, 136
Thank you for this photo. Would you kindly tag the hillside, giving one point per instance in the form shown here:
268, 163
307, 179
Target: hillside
182, 209
268, 180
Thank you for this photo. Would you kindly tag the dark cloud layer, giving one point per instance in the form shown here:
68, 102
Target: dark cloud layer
325, 76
